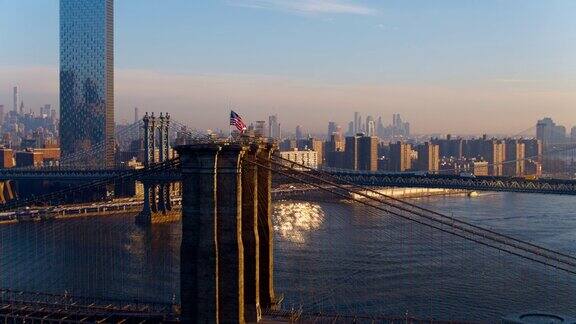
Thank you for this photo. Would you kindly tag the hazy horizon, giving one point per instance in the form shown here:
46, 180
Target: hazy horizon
464, 67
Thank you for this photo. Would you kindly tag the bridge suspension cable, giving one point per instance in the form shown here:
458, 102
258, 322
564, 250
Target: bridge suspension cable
444, 223
399, 203
455, 263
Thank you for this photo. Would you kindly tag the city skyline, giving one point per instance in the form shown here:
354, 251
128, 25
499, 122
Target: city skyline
496, 73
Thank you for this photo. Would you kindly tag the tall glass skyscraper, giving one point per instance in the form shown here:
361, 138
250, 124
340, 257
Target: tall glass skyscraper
87, 79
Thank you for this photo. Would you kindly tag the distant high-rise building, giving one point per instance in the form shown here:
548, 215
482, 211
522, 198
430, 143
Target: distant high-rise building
573, 133
313, 144
336, 144
332, 128
136, 115
533, 156
532, 148
298, 133
15, 99
1, 114
396, 120
549, 133
428, 157
274, 127
380, 129
350, 131
450, 147
87, 77
357, 123
308, 158
260, 128
495, 154
370, 126
46, 111
400, 157
514, 164
368, 153
351, 153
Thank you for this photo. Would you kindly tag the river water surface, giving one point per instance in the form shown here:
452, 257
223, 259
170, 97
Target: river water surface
330, 257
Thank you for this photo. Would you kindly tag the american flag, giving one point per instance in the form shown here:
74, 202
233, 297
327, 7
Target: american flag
236, 120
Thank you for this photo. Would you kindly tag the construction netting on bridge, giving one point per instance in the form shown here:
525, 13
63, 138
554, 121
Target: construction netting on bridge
340, 250
350, 251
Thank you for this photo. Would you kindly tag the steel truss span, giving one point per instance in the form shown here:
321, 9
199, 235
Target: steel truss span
543, 186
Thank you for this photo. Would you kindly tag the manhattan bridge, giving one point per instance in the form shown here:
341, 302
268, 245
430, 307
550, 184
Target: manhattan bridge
224, 231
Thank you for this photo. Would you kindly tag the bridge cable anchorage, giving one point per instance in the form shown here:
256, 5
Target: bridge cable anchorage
451, 219
478, 240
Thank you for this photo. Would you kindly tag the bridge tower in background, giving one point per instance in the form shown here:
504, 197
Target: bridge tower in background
226, 270
156, 196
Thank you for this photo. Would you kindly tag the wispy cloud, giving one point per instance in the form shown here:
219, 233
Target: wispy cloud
308, 6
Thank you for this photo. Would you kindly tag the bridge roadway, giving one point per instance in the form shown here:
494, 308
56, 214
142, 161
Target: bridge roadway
33, 307
365, 178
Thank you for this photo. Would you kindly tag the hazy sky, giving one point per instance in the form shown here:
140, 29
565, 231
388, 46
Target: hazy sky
460, 66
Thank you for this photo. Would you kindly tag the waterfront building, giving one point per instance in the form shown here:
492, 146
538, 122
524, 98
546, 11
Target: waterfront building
428, 157
480, 168
351, 153
307, 158
400, 157
87, 78
6, 158
495, 154
450, 147
514, 164
314, 144
361, 152
368, 153
29, 158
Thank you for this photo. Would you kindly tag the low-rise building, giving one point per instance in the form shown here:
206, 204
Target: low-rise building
307, 158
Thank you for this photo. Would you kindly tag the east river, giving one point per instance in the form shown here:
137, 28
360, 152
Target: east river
330, 257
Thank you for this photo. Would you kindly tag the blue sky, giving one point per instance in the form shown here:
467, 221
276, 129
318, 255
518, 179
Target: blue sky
315, 60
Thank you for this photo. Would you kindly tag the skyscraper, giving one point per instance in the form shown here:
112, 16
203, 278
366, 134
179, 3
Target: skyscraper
87, 78
515, 154
273, 127
299, 133
15, 98
400, 157
428, 157
368, 153
370, 126
332, 128
357, 123
549, 133
136, 115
